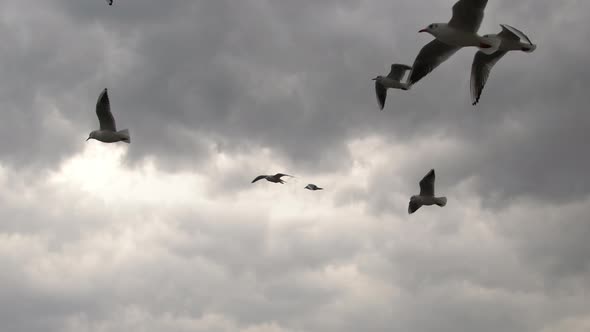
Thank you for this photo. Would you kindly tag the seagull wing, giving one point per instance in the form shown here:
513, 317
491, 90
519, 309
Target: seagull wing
430, 57
468, 14
512, 31
381, 93
103, 111
480, 71
259, 177
280, 175
398, 71
427, 184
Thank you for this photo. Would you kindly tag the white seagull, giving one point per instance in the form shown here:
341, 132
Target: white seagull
108, 130
272, 178
426, 196
391, 81
313, 187
512, 40
461, 31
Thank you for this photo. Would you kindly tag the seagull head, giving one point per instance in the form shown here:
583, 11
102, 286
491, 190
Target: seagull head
432, 28
92, 135
378, 78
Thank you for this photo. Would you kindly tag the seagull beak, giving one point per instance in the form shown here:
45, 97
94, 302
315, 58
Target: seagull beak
423, 30
87, 138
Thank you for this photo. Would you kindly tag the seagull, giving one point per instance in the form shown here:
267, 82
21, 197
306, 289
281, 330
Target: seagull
426, 196
110, 2
272, 178
392, 80
512, 40
313, 187
461, 31
108, 130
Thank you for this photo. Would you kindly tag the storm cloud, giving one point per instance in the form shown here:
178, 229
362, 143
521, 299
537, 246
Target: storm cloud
168, 234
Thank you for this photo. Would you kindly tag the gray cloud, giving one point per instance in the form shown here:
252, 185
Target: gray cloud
226, 90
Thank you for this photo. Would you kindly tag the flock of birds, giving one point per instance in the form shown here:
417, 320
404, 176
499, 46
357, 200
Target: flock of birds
459, 32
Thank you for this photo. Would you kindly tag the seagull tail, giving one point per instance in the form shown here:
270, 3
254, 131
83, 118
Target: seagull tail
489, 45
440, 201
125, 135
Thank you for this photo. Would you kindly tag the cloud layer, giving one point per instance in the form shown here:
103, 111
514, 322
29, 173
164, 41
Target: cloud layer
167, 234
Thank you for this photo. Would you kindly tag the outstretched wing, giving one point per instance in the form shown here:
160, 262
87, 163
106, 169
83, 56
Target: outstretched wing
381, 93
480, 71
517, 34
259, 177
468, 14
430, 57
103, 111
427, 184
398, 71
280, 175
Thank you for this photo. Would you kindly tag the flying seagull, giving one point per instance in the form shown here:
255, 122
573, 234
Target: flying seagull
392, 80
110, 2
108, 130
272, 178
313, 187
426, 196
512, 40
461, 31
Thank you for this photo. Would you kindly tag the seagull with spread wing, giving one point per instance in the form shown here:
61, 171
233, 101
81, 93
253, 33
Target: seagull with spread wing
461, 31
108, 130
512, 40
272, 178
426, 196
391, 81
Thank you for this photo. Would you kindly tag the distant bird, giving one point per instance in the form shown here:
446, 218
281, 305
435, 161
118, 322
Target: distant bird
392, 80
512, 40
313, 187
272, 178
110, 2
461, 31
426, 196
108, 130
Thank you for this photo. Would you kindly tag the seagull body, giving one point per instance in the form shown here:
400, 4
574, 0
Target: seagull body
108, 130
426, 196
272, 178
461, 31
511, 39
391, 81
313, 187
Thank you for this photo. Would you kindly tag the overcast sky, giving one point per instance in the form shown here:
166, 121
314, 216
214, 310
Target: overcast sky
167, 234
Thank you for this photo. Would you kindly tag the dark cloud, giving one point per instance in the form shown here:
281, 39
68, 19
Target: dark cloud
217, 92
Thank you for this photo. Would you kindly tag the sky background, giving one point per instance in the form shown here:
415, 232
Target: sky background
168, 234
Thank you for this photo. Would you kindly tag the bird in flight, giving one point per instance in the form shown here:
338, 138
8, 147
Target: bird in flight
108, 130
461, 31
313, 187
512, 40
391, 81
272, 178
426, 196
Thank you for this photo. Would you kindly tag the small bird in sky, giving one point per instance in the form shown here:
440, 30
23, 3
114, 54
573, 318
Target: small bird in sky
108, 130
272, 178
313, 187
391, 81
426, 196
